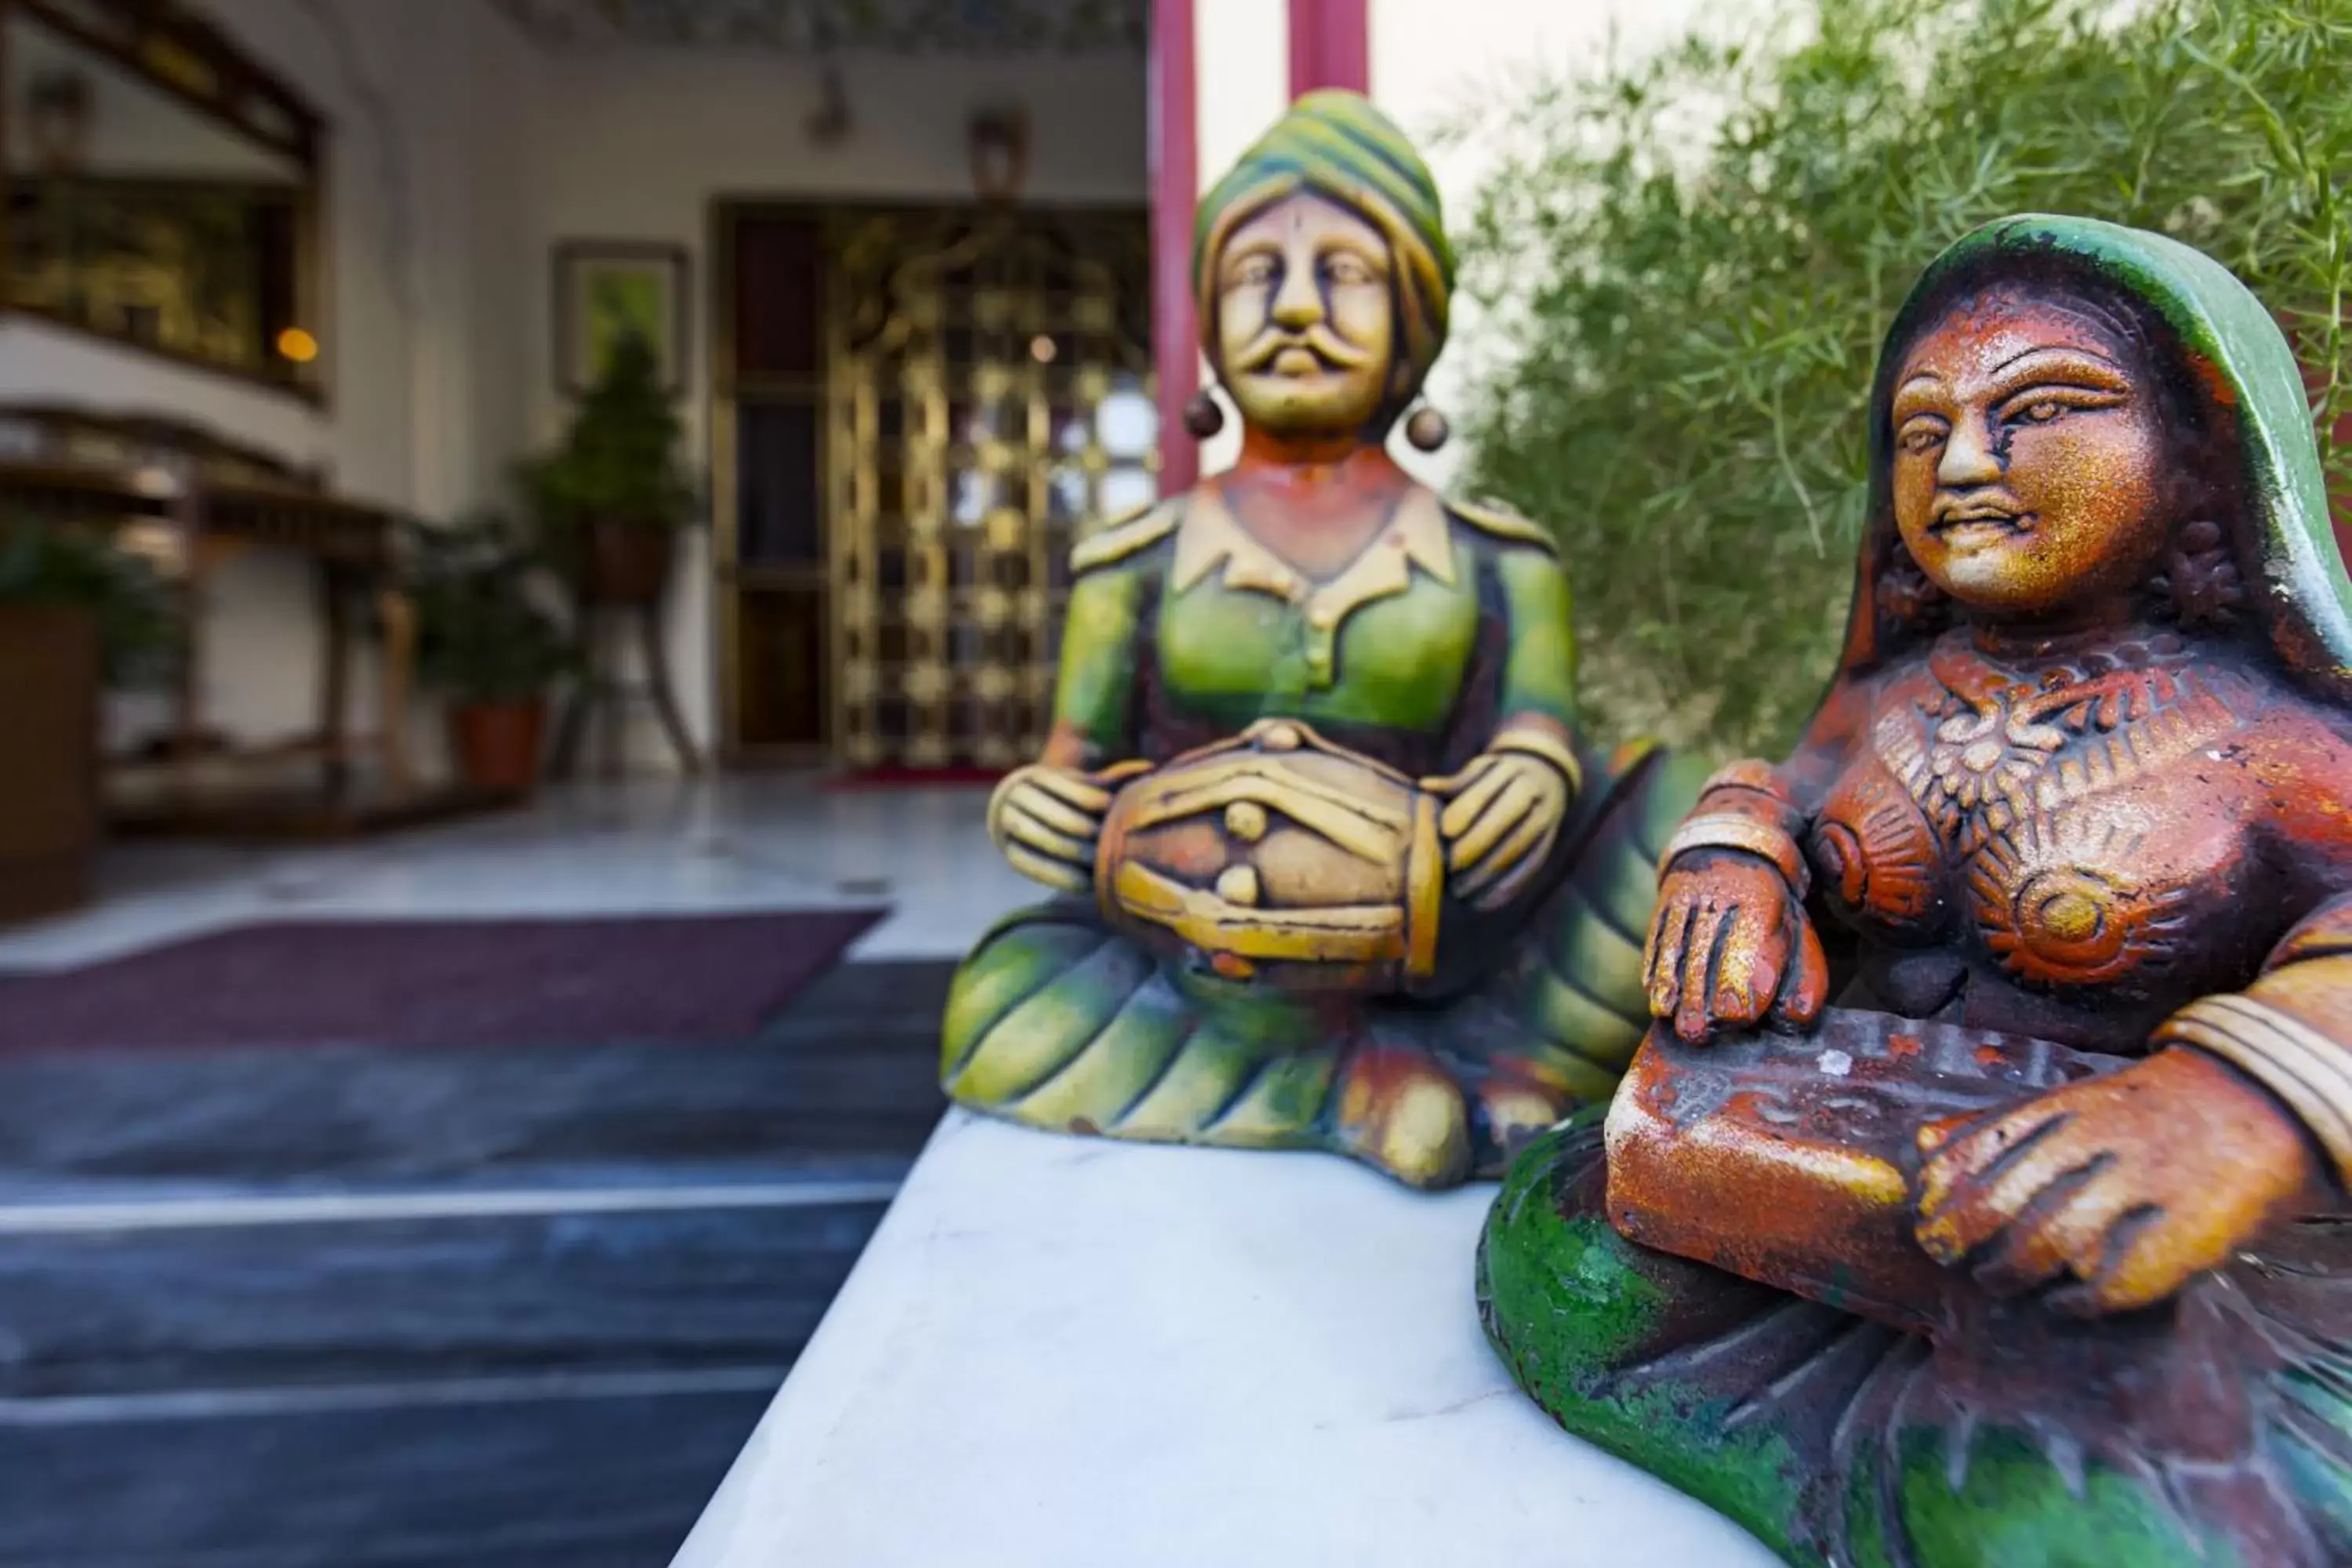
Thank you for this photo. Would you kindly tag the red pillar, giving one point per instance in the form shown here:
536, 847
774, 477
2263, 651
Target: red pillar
1331, 46
1175, 188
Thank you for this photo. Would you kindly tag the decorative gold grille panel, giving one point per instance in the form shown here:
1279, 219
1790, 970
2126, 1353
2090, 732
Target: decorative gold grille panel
988, 396
916, 413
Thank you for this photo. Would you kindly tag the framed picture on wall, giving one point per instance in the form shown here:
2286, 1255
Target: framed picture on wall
606, 290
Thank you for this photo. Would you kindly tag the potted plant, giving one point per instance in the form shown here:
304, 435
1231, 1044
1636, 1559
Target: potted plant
611, 500
486, 643
75, 614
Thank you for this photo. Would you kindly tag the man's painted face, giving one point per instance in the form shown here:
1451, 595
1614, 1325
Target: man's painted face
1306, 318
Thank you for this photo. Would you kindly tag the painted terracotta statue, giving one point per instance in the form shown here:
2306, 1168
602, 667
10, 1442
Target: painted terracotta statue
2029, 1250
1335, 870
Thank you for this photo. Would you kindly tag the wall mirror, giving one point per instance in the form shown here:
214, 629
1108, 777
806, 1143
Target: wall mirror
162, 189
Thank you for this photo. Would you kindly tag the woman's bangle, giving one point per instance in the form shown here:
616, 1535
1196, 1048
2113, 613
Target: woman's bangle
1750, 784
1731, 830
1748, 774
2303, 1068
1549, 747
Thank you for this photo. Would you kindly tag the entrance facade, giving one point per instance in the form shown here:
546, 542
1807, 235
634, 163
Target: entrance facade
917, 412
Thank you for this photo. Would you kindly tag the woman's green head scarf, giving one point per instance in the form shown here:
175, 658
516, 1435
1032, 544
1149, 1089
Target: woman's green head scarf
2294, 573
1337, 145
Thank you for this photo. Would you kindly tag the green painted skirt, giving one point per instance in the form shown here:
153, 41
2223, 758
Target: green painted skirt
1059, 1021
2215, 1429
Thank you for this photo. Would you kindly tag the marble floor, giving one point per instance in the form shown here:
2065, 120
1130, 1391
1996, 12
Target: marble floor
649, 846
358, 1306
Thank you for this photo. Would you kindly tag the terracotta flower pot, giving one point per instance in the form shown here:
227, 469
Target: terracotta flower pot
626, 565
50, 690
497, 744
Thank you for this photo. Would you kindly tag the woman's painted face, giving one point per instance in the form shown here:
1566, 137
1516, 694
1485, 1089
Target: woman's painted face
2029, 457
1305, 328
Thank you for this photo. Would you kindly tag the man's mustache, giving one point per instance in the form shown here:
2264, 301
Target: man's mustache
1320, 341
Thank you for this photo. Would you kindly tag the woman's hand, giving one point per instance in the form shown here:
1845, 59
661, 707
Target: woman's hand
1502, 817
1730, 943
1046, 821
2131, 1183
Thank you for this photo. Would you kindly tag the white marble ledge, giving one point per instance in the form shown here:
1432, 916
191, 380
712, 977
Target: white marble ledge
1061, 1351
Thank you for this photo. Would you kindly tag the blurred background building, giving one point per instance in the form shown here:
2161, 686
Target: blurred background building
400, 1160
897, 258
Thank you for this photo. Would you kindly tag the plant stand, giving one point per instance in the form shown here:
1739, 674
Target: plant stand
602, 698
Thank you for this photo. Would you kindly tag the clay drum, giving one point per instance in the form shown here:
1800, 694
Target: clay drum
1277, 853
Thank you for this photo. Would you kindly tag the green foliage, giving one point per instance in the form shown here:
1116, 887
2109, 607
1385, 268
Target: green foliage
1695, 256
618, 463
45, 566
482, 635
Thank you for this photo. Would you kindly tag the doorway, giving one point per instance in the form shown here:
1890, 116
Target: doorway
918, 412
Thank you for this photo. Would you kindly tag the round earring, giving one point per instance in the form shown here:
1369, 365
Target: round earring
1427, 429
1202, 417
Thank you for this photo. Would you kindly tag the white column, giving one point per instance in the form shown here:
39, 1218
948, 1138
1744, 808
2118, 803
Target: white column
1243, 86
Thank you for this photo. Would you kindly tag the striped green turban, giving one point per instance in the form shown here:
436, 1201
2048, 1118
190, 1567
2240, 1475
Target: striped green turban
1337, 145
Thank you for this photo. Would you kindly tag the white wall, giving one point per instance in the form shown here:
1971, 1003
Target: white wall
471, 106
638, 147
428, 189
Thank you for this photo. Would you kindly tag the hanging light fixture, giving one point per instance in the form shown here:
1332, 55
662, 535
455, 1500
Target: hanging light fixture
829, 123
999, 140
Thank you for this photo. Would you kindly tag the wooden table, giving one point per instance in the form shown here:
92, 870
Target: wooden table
213, 500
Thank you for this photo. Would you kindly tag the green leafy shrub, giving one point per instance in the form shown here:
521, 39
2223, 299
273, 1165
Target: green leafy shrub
482, 635
1693, 256
46, 566
618, 463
